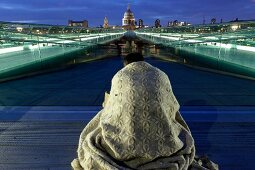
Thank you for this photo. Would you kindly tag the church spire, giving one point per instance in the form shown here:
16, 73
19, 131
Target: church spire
128, 8
106, 24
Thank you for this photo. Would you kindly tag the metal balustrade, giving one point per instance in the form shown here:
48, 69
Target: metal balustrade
26, 44
227, 46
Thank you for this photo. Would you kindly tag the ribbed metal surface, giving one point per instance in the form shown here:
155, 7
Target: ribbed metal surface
52, 145
38, 145
47, 137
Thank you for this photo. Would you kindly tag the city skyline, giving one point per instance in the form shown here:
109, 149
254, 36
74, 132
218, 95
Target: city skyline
59, 12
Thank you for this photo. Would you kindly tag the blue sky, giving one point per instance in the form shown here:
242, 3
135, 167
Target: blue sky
59, 11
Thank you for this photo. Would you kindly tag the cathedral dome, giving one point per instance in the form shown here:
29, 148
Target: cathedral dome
129, 14
128, 20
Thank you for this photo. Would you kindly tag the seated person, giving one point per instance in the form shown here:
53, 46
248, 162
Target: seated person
140, 126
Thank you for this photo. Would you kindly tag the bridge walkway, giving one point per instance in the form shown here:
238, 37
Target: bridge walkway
42, 116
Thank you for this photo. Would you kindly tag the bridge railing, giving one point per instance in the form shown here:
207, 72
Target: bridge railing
226, 46
25, 44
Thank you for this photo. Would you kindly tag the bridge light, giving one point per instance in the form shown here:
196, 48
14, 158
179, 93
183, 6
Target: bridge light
11, 49
19, 29
234, 27
246, 48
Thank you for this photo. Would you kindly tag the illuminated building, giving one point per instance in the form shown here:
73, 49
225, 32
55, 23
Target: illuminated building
128, 21
83, 23
106, 23
157, 23
177, 23
213, 21
140, 23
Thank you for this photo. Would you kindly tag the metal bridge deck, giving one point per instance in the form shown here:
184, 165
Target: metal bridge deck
47, 137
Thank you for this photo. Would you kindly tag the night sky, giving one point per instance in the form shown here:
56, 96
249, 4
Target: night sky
59, 11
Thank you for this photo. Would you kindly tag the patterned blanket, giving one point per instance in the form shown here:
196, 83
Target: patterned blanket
140, 126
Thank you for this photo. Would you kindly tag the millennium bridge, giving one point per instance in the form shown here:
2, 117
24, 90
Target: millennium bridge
227, 47
53, 79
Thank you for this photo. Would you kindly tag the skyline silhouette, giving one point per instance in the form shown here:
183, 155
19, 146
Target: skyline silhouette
59, 12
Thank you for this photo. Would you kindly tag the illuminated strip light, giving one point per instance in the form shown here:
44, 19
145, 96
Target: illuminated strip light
245, 48
91, 38
87, 36
179, 39
97, 35
183, 35
83, 36
12, 49
65, 41
171, 34
103, 35
228, 46
144, 33
32, 47
160, 36
193, 41
173, 38
211, 38
190, 35
166, 37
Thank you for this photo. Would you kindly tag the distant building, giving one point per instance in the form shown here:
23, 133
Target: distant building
171, 23
157, 23
236, 20
83, 23
177, 23
242, 21
140, 23
204, 21
213, 21
128, 21
106, 24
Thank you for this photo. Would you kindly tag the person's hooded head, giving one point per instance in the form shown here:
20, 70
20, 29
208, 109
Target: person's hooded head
133, 57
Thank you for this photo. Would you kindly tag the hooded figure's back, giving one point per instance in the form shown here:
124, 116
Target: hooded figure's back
140, 126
